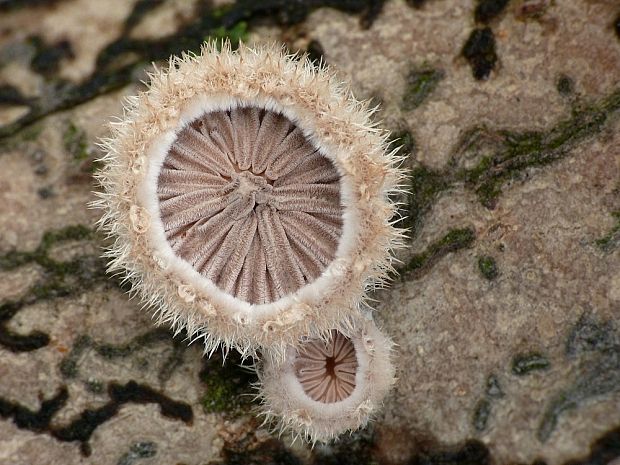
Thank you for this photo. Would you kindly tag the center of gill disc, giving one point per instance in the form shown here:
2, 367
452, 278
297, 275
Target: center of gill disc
253, 187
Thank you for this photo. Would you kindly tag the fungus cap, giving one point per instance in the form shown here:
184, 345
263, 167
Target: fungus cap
323, 388
248, 196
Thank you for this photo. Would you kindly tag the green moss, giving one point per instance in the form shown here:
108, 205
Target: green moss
223, 396
488, 267
68, 368
75, 142
60, 278
173, 361
76, 232
238, 33
45, 192
425, 185
227, 386
517, 151
421, 82
523, 364
611, 240
220, 397
14, 259
454, 240
111, 351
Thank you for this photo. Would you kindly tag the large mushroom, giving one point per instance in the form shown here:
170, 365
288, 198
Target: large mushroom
248, 196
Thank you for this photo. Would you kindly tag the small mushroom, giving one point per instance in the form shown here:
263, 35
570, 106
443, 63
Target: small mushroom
325, 387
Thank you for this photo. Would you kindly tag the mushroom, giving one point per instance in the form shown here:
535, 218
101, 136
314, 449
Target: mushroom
325, 387
248, 198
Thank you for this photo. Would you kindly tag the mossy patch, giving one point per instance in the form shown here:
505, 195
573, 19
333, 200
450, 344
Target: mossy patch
419, 264
68, 366
523, 364
488, 267
425, 185
236, 34
14, 259
75, 142
45, 193
420, 83
515, 152
228, 387
94, 386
